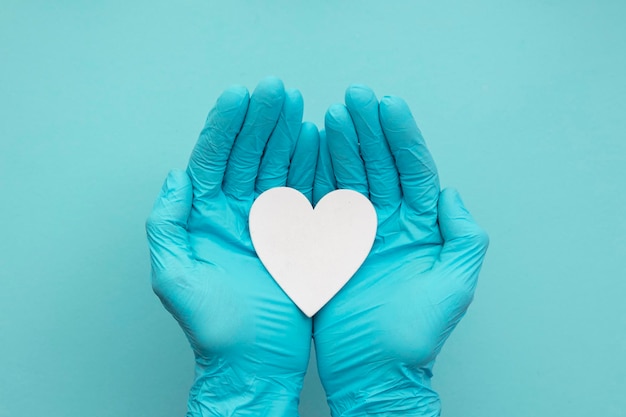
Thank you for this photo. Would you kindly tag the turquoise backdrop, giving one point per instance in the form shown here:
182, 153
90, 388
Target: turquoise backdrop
522, 103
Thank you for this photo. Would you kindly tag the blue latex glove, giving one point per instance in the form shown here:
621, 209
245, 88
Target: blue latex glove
377, 339
251, 343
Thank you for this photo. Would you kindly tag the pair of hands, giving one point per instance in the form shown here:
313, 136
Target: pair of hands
377, 339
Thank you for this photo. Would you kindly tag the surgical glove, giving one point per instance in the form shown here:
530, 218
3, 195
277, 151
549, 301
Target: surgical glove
251, 343
376, 341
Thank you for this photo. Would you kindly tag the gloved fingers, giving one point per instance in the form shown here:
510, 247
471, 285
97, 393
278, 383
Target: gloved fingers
344, 150
324, 176
304, 160
167, 224
263, 112
382, 175
465, 243
419, 180
208, 160
280, 147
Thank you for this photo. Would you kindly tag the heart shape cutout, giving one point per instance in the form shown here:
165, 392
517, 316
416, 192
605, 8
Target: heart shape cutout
312, 253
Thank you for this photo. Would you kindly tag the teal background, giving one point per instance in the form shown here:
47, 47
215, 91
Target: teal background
522, 104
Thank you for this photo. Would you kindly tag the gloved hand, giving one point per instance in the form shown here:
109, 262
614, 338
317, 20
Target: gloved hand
251, 343
377, 339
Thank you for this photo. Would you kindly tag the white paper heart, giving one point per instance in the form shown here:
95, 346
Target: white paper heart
312, 254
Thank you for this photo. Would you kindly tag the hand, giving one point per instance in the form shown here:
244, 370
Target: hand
251, 343
377, 339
